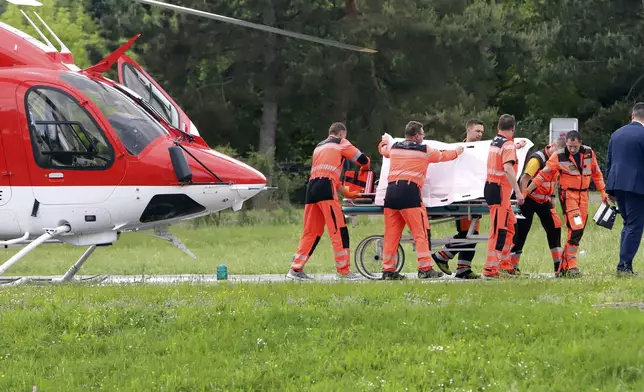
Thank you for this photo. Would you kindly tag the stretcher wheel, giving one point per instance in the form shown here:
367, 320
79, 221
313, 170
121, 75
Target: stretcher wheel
368, 257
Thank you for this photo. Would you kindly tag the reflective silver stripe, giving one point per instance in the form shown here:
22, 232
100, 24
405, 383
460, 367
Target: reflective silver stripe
546, 184
341, 264
541, 154
424, 254
492, 172
342, 253
406, 173
355, 157
301, 257
330, 168
539, 196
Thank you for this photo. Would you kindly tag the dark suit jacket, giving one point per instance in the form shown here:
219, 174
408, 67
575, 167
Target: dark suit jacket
625, 160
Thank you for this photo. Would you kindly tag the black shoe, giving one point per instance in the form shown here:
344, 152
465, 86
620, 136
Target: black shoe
467, 274
443, 265
429, 274
626, 273
393, 276
570, 273
556, 267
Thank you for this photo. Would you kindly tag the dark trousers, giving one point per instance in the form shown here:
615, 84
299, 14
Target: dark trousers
631, 207
528, 209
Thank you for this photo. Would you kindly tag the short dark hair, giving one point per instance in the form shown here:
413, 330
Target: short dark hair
573, 135
638, 110
413, 128
560, 143
506, 122
470, 123
336, 128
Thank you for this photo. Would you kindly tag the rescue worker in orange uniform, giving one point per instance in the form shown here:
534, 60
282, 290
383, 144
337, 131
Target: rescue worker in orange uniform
502, 167
322, 205
404, 201
473, 133
542, 202
574, 165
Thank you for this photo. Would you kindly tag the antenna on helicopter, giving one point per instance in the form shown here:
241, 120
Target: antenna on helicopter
38, 31
63, 49
256, 26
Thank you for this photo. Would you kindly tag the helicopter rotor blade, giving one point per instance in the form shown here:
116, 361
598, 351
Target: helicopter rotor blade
258, 26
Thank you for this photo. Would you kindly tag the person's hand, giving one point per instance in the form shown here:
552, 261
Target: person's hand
525, 193
459, 150
351, 194
520, 199
604, 197
612, 199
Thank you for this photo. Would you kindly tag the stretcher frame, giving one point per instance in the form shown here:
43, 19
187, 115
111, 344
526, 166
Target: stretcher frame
471, 209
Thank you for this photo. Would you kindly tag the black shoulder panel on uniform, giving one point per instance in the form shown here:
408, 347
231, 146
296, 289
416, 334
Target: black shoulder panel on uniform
335, 140
410, 145
498, 141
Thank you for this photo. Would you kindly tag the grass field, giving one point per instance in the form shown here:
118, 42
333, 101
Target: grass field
513, 335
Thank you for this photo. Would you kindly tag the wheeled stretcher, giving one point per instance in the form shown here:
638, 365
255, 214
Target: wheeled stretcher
368, 253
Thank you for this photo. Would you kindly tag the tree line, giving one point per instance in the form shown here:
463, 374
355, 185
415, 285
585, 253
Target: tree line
269, 99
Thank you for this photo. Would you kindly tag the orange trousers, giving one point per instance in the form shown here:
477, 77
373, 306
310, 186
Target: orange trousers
316, 215
500, 240
395, 221
575, 208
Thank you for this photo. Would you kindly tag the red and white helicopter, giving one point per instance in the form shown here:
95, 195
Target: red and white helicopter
84, 158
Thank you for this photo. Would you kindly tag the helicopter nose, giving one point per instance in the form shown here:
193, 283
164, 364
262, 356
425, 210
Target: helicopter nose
239, 172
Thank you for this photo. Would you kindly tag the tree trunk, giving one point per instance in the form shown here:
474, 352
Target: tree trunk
271, 74
343, 86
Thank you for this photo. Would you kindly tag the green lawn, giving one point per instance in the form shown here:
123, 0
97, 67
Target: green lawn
511, 335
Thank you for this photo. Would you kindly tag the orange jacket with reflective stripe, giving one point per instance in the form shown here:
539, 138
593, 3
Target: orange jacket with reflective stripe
572, 177
409, 160
329, 156
546, 189
502, 151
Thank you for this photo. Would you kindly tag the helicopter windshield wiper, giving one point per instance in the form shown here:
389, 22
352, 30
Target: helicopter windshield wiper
155, 113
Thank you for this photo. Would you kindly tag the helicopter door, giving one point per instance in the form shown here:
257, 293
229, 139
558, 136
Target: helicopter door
134, 77
73, 158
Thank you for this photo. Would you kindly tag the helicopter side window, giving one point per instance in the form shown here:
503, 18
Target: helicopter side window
63, 134
136, 81
134, 127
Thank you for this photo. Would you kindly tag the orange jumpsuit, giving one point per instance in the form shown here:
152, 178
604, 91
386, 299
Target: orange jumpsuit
539, 202
497, 194
404, 200
322, 205
574, 173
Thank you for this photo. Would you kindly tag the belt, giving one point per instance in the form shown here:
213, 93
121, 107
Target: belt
574, 189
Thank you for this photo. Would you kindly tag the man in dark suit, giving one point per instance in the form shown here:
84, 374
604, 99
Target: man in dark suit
625, 184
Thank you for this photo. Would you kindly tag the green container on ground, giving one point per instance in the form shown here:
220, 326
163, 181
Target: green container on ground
222, 272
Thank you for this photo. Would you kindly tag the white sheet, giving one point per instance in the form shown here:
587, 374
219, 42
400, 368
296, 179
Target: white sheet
458, 180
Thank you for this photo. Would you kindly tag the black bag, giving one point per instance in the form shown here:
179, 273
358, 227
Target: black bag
605, 216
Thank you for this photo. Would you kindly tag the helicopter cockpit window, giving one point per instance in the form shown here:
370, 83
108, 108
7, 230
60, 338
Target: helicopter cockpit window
136, 81
63, 134
135, 128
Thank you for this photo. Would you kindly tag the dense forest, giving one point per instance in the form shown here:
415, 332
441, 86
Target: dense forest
269, 99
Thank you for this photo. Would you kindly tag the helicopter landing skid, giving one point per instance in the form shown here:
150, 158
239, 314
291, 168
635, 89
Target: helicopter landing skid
49, 233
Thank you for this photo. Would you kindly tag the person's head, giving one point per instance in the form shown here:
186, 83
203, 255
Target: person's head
556, 146
638, 112
414, 131
474, 130
338, 130
506, 123
573, 141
